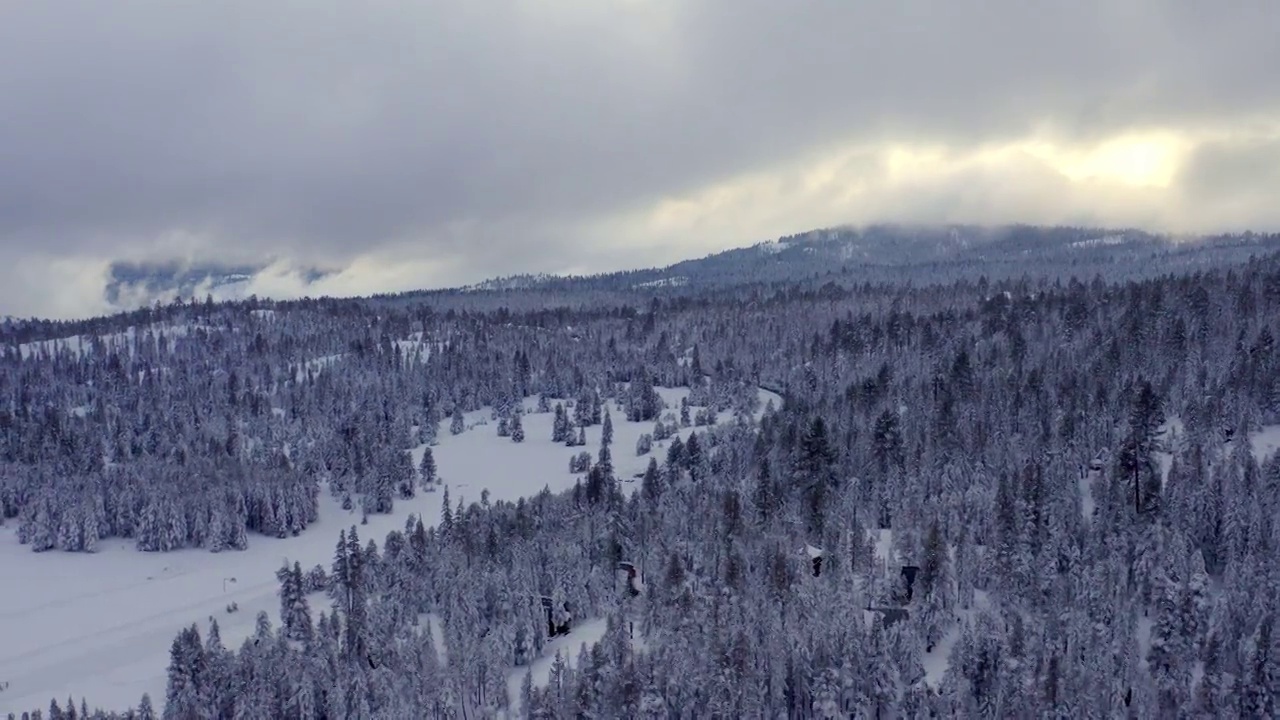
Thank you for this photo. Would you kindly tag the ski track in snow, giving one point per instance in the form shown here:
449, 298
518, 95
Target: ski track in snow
99, 626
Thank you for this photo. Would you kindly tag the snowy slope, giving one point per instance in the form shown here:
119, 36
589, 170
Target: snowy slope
99, 626
125, 341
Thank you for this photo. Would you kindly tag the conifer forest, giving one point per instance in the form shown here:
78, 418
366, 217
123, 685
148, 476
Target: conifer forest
1035, 479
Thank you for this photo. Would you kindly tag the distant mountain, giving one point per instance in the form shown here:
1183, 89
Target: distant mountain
511, 282
873, 253
865, 250
913, 252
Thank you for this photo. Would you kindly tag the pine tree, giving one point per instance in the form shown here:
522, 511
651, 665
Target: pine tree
605, 462
765, 496
643, 402
1169, 646
185, 694
651, 483
517, 428
145, 709
456, 422
295, 613
597, 484
340, 573
446, 516
1260, 674
887, 442
526, 692
880, 675
586, 411
560, 425
355, 635
427, 469
814, 470
401, 469
1135, 464
693, 457
933, 567
1215, 693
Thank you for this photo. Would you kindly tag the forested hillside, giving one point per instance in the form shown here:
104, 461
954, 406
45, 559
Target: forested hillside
1025, 497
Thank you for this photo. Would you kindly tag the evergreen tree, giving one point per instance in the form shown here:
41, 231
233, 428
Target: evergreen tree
1135, 463
185, 695
560, 427
145, 709
933, 567
295, 613
815, 474
693, 456
517, 428
1260, 672
765, 496
651, 483
446, 517
427, 469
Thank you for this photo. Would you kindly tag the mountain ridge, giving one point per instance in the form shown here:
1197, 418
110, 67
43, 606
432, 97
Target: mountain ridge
865, 253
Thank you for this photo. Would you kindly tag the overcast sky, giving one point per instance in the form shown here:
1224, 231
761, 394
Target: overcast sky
433, 142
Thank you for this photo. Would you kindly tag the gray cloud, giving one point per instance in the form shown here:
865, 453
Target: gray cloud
487, 135
1234, 180
1232, 168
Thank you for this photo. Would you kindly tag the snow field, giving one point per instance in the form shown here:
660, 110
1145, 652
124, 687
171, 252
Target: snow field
126, 341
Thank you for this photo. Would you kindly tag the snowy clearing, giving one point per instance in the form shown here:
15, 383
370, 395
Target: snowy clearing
1265, 442
126, 341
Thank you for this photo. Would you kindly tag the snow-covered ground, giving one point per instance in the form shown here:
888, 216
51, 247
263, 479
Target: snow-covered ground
124, 341
316, 366
677, 281
100, 626
1169, 438
1105, 240
1265, 442
1087, 503
936, 663
569, 647
938, 660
